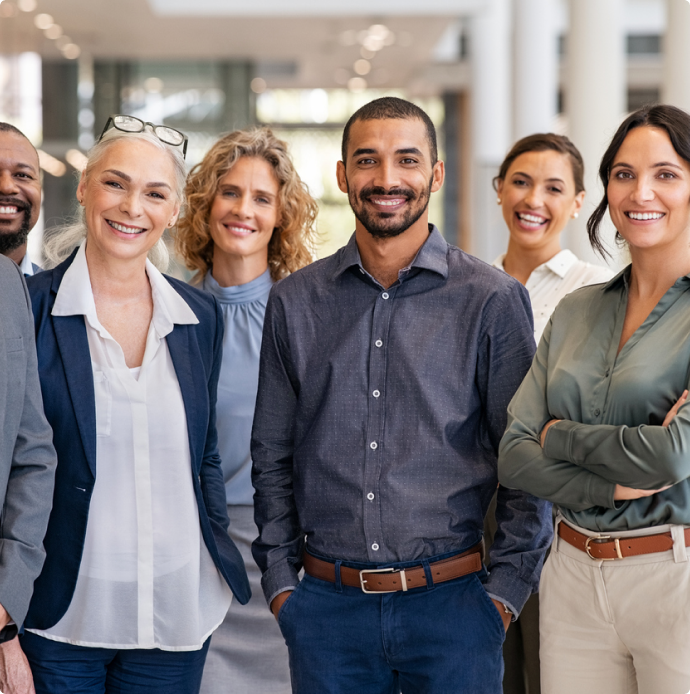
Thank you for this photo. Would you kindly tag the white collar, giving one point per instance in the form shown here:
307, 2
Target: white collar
75, 297
560, 264
26, 266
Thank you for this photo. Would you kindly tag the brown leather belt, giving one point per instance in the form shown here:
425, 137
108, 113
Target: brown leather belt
391, 580
606, 547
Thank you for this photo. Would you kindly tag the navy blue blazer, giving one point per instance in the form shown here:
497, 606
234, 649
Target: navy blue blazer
64, 365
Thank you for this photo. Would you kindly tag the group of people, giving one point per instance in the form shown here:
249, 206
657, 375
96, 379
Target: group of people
324, 441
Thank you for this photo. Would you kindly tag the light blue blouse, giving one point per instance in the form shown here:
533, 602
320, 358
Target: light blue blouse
243, 309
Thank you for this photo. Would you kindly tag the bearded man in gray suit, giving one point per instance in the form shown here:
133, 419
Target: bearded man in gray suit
27, 469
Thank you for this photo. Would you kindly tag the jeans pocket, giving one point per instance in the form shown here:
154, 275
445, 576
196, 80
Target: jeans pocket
286, 607
493, 613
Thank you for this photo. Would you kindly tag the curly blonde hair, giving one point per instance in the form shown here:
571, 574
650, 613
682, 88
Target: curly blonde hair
289, 247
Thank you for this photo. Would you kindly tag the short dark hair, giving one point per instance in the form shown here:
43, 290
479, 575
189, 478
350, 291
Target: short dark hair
674, 121
391, 107
542, 142
9, 128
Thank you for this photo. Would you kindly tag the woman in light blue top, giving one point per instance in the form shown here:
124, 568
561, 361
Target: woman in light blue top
249, 222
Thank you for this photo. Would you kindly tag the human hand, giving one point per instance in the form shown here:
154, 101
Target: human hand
15, 673
674, 410
547, 426
622, 493
505, 616
278, 601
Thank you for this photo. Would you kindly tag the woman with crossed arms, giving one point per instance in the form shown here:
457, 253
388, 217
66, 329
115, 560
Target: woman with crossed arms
600, 427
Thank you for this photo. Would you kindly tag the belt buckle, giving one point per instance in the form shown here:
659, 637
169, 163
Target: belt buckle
601, 538
363, 580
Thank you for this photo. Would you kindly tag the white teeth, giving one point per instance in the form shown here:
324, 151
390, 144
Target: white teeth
644, 216
387, 203
8, 210
240, 230
124, 229
533, 219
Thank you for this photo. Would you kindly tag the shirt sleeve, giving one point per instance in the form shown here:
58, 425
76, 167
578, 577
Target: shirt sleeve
278, 549
524, 527
523, 464
642, 457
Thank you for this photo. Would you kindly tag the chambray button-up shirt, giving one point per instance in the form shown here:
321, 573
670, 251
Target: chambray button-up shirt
379, 415
612, 405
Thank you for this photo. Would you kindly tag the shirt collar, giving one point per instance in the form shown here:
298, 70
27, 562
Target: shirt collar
75, 298
561, 263
433, 255
26, 266
623, 278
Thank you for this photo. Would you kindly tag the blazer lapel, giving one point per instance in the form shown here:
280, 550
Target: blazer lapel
70, 334
190, 374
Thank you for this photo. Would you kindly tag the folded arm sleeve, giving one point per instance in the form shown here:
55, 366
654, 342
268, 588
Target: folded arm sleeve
278, 549
522, 464
642, 457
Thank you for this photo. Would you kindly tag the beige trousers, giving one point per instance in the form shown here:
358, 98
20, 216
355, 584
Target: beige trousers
616, 627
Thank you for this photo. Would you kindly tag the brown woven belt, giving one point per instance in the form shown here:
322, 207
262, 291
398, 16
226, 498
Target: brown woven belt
391, 580
606, 547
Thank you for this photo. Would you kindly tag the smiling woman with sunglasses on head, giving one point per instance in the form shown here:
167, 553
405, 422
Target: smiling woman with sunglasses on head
139, 567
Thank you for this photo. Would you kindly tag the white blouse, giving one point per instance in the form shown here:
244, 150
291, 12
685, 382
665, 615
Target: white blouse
550, 282
146, 578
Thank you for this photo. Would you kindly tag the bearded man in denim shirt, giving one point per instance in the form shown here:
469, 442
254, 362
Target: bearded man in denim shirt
386, 370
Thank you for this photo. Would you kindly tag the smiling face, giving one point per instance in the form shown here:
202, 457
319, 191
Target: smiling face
129, 199
388, 175
649, 191
20, 191
538, 198
245, 211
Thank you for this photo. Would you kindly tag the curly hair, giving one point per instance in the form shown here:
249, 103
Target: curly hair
289, 247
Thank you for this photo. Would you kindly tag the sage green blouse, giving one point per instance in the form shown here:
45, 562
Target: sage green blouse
612, 407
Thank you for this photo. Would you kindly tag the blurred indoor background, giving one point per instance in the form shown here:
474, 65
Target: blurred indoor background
487, 71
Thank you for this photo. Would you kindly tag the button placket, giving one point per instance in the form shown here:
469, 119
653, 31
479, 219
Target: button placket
378, 356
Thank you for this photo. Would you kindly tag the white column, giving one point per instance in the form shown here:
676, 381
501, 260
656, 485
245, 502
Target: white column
535, 94
595, 101
675, 87
490, 51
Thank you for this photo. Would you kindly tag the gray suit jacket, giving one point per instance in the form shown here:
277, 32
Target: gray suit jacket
27, 456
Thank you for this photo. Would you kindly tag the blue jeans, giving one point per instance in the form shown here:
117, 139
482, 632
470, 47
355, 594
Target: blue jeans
446, 639
61, 668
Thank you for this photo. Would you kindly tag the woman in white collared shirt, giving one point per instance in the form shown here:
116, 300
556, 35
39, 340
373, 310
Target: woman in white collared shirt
540, 188
139, 567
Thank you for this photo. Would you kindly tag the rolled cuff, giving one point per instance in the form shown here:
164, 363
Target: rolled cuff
504, 584
277, 579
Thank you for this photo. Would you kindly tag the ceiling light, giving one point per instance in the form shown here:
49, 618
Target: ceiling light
366, 53
357, 84
373, 43
53, 32
380, 31
362, 67
27, 5
50, 164
77, 159
258, 85
71, 51
43, 21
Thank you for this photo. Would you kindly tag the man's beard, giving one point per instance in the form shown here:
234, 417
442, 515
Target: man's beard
378, 224
11, 240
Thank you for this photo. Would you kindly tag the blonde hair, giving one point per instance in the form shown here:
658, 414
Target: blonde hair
62, 240
289, 247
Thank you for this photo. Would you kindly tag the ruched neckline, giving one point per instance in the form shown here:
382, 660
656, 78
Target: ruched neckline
241, 294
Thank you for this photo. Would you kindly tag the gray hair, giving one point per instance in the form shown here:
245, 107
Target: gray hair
62, 240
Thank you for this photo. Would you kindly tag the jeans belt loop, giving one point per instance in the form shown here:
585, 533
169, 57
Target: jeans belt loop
338, 578
679, 551
427, 574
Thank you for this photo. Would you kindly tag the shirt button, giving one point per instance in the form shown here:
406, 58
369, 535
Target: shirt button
384, 295
376, 393
373, 445
379, 343
597, 412
370, 496
375, 546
